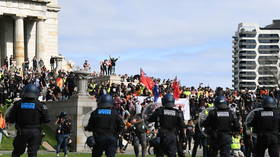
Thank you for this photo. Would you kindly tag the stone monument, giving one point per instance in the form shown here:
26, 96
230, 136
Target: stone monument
76, 107
28, 28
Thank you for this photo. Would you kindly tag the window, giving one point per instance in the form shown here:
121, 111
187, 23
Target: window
268, 35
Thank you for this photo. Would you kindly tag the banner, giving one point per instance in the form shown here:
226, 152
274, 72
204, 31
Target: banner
184, 103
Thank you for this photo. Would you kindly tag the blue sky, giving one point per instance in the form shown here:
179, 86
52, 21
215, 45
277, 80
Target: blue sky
188, 39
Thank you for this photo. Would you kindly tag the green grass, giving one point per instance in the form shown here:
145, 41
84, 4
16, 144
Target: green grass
50, 136
52, 155
7, 143
73, 155
70, 155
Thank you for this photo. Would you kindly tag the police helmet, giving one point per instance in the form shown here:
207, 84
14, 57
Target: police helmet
30, 91
106, 101
62, 114
168, 100
221, 102
268, 102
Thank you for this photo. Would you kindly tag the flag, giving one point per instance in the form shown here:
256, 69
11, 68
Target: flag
176, 89
156, 92
146, 81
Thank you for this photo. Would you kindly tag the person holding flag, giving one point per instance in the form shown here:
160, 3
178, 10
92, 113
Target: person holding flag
176, 88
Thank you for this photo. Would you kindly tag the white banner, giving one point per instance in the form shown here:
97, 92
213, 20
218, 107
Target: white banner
184, 103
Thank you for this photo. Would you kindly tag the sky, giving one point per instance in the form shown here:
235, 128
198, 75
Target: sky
190, 39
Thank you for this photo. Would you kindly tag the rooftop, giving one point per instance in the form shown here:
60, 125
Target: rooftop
274, 25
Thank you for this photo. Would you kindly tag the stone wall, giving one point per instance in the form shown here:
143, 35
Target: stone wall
76, 107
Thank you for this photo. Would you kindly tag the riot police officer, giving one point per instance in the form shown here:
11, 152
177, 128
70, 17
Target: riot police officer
106, 124
28, 114
168, 120
219, 125
266, 123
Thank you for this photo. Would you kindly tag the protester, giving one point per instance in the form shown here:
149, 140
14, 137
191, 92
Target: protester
64, 127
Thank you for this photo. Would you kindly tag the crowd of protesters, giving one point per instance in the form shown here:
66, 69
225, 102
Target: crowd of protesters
57, 86
240, 102
53, 85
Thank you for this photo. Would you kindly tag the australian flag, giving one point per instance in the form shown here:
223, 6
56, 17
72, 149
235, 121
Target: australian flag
156, 92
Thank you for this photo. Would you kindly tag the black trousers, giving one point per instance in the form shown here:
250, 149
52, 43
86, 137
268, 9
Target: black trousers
107, 144
198, 142
30, 138
140, 139
273, 149
168, 145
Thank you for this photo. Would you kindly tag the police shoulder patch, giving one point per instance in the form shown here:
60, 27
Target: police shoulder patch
267, 114
27, 105
104, 112
169, 112
222, 114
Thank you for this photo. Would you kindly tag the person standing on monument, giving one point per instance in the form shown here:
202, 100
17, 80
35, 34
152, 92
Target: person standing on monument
52, 60
6, 62
34, 63
113, 64
86, 66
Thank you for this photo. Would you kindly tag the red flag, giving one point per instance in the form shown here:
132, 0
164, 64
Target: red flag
147, 81
176, 88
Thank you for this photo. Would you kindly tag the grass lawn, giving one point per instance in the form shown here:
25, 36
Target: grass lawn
70, 155
53, 155
7, 143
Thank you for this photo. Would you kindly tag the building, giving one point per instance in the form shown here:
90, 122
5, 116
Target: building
256, 56
28, 28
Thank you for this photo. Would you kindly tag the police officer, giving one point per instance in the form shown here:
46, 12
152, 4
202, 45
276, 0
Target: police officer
266, 124
168, 120
219, 125
106, 124
28, 114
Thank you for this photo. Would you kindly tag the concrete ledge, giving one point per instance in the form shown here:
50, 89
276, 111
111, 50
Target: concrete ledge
76, 107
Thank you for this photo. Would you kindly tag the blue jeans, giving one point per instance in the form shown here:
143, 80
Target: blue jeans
62, 140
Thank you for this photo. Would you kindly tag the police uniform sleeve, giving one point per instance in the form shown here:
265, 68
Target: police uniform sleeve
208, 121
254, 121
89, 127
11, 115
45, 118
235, 123
154, 116
181, 123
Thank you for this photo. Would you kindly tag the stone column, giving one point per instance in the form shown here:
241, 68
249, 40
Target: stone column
40, 44
19, 41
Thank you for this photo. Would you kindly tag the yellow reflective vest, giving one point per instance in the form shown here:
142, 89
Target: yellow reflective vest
236, 143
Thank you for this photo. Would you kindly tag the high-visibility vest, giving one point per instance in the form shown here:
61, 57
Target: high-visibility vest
210, 105
236, 143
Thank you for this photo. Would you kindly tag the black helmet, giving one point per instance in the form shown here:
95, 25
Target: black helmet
62, 114
268, 102
106, 101
30, 91
168, 100
221, 102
